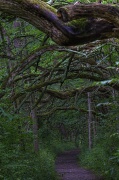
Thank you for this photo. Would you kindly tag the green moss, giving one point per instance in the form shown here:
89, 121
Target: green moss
42, 5
79, 23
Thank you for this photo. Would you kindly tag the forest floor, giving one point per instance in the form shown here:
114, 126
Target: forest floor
68, 168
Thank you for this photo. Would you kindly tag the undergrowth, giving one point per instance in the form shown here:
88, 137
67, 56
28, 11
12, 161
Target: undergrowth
103, 158
17, 158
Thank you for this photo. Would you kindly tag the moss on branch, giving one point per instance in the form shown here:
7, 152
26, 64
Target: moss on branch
45, 18
61, 109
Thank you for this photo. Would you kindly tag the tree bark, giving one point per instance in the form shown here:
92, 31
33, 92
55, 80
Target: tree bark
35, 125
89, 121
102, 24
95, 10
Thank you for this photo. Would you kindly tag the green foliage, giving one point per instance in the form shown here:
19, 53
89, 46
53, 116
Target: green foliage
17, 160
51, 140
94, 159
104, 157
113, 170
57, 146
19, 165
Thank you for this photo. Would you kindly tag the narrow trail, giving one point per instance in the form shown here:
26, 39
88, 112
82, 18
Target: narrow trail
68, 169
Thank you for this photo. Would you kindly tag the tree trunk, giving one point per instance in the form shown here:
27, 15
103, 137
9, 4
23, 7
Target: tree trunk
35, 126
89, 120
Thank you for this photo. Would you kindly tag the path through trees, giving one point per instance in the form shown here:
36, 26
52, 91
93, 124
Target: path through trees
68, 169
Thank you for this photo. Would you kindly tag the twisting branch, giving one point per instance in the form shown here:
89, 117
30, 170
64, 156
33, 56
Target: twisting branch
102, 24
61, 109
95, 10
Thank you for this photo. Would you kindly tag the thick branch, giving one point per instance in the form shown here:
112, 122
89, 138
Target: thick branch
96, 10
71, 93
45, 18
39, 86
61, 109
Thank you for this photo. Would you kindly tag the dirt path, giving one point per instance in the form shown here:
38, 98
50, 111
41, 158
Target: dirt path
68, 169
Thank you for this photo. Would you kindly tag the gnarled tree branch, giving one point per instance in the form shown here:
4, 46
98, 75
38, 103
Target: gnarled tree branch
46, 19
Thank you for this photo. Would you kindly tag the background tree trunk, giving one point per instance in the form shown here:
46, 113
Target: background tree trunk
35, 125
89, 121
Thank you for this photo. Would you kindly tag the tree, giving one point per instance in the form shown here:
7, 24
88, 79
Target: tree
89, 121
69, 25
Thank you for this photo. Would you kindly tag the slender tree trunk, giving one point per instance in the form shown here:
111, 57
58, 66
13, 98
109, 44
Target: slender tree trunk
89, 120
17, 46
35, 126
114, 94
94, 129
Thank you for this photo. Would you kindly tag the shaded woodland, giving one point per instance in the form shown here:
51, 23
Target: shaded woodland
59, 83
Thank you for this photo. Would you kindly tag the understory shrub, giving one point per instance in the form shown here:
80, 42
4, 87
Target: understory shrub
103, 158
26, 166
17, 159
94, 159
57, 146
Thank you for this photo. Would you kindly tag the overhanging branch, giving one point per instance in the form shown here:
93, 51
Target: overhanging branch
61, 109
45, 18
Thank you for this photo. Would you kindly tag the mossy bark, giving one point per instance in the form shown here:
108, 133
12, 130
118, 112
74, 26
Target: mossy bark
102, 24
